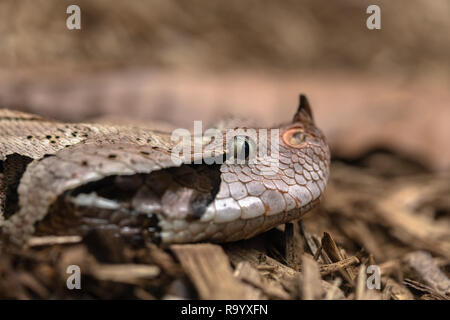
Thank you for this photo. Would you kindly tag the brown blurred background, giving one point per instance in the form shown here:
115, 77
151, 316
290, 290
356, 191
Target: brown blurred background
179, 61
381, 96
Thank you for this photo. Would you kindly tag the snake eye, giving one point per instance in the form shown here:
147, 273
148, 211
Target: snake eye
294, 137
242, 148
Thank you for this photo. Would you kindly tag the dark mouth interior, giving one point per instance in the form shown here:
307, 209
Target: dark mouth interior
183, 192
12, 168
201, 181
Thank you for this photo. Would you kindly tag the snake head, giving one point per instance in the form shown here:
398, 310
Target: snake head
274, 176
269, 188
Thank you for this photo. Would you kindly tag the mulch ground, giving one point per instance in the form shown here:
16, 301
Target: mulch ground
381, 214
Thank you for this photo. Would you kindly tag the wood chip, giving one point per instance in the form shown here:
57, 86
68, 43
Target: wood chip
337, 266
396, 291
333, 292
313, 248
125, 273
330, 247
311, 281
421, 263
210, 271
424, 288
292, 247
272, 289
52, 240
395, 210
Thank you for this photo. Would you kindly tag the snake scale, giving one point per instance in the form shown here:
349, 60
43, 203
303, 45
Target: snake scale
70, 178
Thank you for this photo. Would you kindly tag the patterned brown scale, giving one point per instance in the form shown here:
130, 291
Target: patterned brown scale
82, 177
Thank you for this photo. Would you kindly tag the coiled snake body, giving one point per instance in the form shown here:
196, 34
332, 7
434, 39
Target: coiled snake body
63, 178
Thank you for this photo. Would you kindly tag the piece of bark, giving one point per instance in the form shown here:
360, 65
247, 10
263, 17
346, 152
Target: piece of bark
396, 291
124, 273
142, 294
333, 292
274, 270
311, 281
52, 240
362, 291
313, 248
360, 232
337, 266
162, 259
74, 255
260, 261
422, 266
389, 267
292, 246
245, 272
210, 271
421, 231
29, 281
330, 247
424, 288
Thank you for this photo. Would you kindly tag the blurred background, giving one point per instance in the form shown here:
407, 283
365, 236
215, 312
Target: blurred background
179, 61
381, 97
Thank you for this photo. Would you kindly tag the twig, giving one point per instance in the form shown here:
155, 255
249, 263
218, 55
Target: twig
337, 266
51, 240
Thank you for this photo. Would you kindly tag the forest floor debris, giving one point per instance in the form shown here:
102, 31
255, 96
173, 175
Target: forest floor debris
399, 224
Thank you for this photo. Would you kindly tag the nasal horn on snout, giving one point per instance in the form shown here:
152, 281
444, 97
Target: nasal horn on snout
304, 113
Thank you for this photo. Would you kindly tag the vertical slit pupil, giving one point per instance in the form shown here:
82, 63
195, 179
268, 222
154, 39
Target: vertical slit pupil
246, 149
242, 148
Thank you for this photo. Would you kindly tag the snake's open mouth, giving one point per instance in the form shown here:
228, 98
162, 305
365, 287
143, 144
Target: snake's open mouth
130, 206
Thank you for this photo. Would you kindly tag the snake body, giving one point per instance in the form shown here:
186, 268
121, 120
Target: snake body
65, 178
